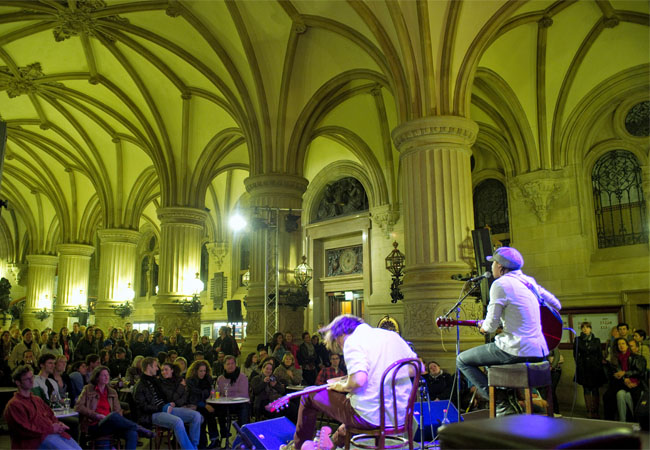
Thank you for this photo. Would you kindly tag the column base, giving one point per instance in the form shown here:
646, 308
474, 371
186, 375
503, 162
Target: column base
60, 320
106, 317
29, 320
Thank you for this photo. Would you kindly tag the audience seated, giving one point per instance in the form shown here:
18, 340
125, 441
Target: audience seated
78, 373
119, 366
627, 375
199, 387
439, 383
265, 388
61, 377
251, 366
26, 344
333, 371
233, 383
31, 421
153, 409
308, 359
134, 372
86, 346
286, 373
181, 363
100, 411
44, 386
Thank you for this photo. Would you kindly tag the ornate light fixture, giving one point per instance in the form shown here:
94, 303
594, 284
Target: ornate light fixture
42, 314
246, 278
298, 297
395, 265
125, 309
77, 312
193, 304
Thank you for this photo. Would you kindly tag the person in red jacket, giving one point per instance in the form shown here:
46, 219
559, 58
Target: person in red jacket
32, 423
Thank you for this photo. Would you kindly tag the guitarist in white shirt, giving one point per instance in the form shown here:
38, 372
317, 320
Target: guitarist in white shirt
354, 401
514, 304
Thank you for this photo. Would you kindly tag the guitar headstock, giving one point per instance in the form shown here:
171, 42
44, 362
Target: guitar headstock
278, 404
445, 322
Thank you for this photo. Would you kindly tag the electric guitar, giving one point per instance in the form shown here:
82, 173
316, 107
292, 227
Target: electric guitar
551, 325
282, 402
322, 441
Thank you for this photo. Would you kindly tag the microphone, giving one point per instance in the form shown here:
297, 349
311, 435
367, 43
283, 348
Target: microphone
487, 274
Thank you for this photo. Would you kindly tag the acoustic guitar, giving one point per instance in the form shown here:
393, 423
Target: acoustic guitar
282, 402
551, 325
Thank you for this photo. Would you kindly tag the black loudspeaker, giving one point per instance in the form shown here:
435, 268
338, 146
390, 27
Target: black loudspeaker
268, 434
482, 249
234, 311
431, 417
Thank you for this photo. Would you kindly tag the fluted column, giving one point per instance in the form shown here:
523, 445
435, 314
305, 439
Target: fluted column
272, 191
116, 271
181, 232
438, 217
40, 288
74, 267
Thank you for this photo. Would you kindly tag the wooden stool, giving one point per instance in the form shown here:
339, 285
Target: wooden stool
94, 442
521, 376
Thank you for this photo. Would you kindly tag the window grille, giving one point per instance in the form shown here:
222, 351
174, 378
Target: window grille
619, 205
491, 206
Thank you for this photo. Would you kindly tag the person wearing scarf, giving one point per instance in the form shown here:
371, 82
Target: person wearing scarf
629, 371
232, 383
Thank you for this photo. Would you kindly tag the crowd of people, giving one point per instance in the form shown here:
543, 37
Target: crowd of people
125, 382
169, 381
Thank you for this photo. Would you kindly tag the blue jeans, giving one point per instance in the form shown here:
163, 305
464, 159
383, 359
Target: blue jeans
470, 360
115, 424
58, 442
176, 421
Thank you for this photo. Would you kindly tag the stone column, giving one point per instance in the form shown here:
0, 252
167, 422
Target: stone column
117, 257
181, 232
438, 219
74, 267
40, 288
272, 191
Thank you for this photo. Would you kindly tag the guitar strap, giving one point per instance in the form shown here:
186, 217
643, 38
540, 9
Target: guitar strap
531, 288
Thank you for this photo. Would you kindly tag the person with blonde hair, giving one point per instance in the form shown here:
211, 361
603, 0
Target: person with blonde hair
354, 401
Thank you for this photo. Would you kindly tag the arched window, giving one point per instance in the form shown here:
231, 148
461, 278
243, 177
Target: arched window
491, 206
618, 200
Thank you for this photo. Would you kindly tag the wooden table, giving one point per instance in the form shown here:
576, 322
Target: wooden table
7, 389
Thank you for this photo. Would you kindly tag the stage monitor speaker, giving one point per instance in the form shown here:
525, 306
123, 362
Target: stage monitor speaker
267, 434
234, 311
431, 417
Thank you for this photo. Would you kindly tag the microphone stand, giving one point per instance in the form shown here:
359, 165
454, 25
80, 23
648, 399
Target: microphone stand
457, 308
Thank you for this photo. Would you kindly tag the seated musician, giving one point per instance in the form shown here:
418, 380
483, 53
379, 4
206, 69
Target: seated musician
514, 303
354, 401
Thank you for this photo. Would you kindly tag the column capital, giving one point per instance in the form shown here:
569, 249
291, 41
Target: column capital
75, 249
118, 235
277, 190
435, 131
42, 260
182, 215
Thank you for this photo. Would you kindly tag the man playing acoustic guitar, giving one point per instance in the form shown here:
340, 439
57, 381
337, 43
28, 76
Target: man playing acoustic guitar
354, 400
514, 303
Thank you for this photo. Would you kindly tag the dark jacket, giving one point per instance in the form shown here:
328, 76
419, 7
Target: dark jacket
119, 367
174, 391
149, 398
264, 393
226, 345
589, 361
154, 349
439, 387
83, 349
139, 348
198, 390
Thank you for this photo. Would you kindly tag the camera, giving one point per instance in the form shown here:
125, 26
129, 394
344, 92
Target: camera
271, 379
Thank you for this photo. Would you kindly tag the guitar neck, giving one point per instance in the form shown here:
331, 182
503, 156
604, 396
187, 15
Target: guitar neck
282, 401
466, 323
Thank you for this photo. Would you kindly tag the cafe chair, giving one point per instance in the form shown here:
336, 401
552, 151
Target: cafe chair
163, 434
100, 442
390, 432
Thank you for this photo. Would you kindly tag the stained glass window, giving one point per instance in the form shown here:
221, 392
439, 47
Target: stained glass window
619, 205
637, 120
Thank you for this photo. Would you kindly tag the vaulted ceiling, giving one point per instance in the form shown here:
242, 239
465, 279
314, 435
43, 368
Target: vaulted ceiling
115, 108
